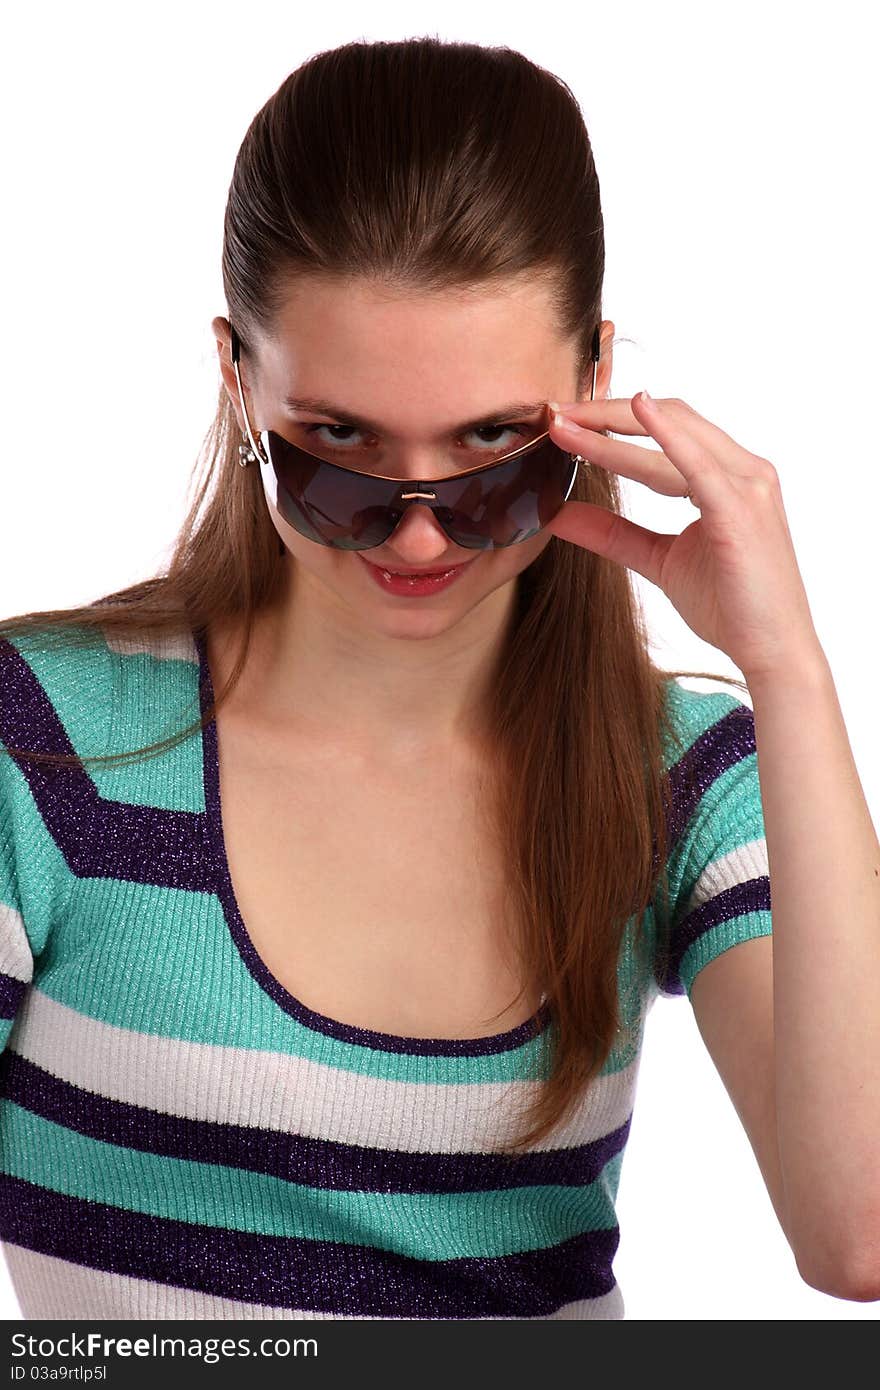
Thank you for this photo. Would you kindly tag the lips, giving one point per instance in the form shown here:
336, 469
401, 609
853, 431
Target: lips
414, 583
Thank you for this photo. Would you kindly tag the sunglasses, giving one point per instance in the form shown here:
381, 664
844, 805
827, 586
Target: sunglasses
487, 507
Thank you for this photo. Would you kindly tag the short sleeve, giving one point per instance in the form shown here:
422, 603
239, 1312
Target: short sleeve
34, 875
16, 957
718, 868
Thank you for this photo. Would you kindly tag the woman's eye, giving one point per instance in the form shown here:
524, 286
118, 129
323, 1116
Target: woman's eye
495, 430
482, 431
312, 429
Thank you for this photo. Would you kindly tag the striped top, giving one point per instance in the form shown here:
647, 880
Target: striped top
182, 1138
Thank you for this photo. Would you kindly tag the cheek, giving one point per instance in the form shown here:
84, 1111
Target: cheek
311, 555
519, 557
499, 567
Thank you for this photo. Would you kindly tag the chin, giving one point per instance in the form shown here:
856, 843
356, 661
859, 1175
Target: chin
415, 627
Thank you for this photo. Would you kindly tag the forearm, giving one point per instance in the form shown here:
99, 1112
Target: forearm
824, 859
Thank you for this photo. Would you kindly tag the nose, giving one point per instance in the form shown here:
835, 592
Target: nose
418, 539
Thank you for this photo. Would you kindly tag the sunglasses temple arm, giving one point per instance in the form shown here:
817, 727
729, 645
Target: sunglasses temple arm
259, 452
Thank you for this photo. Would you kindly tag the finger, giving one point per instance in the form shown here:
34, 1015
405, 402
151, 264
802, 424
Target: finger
619, 414
612, 413
649, 466
612, 536
707, 479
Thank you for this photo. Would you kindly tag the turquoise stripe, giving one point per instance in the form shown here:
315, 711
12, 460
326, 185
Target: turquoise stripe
8, 886
172, 779
720, 938
434, 1226
39, 891
693, 712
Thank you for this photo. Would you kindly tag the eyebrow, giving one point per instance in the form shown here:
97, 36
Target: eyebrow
321, 406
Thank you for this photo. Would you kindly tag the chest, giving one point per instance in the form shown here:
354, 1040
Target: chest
375, 896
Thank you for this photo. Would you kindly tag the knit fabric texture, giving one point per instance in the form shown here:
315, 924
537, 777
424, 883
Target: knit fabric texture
182, 1138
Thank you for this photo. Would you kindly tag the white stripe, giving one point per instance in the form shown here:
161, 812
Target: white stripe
16, 958
48, 1287
273, 1090
165, 646
741, 864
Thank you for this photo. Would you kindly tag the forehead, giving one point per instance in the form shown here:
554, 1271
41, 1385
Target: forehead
360, 341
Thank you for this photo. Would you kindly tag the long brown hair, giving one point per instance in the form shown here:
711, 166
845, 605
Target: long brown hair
411, 161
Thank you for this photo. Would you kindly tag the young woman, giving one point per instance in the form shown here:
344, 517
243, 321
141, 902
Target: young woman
341, 862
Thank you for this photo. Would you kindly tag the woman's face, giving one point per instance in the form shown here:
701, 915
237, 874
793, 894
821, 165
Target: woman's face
421, 368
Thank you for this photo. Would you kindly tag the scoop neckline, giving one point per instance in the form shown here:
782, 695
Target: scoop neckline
310, 1018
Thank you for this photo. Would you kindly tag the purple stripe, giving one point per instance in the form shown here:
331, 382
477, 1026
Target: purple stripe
750, 896
312, 1275
321, 1023
11, 994
318, 1163
98, 838
715, 751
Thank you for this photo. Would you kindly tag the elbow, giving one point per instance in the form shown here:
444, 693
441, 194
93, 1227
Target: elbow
856, 1278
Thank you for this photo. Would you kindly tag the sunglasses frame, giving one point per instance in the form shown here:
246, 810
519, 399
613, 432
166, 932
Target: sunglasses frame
260, 448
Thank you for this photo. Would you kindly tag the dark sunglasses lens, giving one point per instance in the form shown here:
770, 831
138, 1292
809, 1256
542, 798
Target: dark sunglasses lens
506, 504
496, 507
330, 505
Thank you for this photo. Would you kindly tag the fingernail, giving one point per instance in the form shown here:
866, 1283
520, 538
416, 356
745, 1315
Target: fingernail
646, 399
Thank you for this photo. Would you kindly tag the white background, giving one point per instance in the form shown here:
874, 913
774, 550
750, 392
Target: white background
736, 151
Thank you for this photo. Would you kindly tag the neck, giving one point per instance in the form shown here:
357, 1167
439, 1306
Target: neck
316, 669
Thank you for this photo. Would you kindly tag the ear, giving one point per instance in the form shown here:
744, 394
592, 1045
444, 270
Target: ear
606, 355
223, 337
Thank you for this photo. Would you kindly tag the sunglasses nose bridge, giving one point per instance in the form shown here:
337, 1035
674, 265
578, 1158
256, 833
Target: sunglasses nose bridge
421, 495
